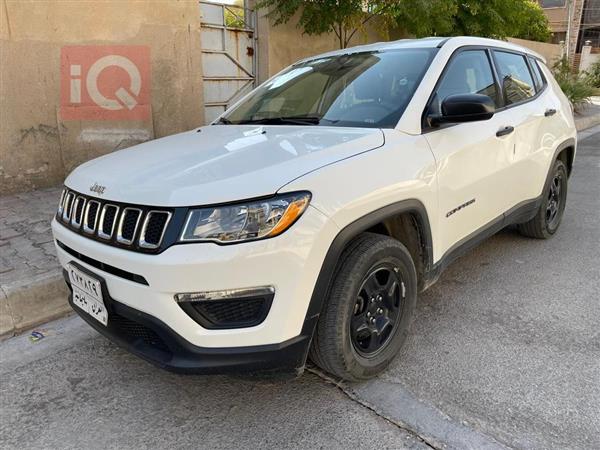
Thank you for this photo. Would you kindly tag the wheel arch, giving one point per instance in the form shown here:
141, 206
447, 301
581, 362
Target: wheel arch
566, 152
377, 221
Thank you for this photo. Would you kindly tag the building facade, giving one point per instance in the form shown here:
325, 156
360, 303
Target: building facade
576, 23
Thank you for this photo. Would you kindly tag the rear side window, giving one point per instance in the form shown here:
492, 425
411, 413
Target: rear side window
469, 72
540, 81
517, 82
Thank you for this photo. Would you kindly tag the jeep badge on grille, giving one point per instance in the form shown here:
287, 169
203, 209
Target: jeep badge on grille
97, 188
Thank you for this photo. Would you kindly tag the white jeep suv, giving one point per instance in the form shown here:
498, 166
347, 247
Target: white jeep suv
304, 221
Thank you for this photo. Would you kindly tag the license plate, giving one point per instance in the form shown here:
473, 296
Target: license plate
87, 294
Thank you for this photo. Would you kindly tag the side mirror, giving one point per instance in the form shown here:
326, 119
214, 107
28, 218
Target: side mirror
459, 108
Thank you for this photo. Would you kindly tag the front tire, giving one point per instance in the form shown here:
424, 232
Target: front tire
554, 199
369, 309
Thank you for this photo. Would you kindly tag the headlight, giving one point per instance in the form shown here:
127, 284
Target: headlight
245, 221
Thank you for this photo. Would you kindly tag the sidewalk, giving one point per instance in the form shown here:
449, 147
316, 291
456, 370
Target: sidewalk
589, 116
32, 290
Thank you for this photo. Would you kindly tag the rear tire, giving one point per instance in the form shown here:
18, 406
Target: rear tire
549, 214
369, 309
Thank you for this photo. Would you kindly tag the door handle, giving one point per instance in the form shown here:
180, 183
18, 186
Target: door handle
504, 131
550, 112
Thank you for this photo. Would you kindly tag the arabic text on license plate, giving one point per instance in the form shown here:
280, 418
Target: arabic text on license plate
87, 294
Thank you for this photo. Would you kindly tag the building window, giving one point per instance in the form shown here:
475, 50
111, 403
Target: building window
553, 3
558, 37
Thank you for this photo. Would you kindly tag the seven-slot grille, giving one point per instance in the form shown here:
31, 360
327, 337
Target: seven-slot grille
126, 225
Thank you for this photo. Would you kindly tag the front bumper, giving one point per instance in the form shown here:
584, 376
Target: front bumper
151, 339
290, 263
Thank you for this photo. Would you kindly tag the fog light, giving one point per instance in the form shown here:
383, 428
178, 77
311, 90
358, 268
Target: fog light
232, 308
225, 294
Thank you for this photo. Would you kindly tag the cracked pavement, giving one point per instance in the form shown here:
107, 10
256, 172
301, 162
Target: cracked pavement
26, 245
504, 353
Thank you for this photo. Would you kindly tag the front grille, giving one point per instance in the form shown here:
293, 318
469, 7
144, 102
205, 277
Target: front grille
133, 331
77, 214
140, 228
91, 216
108, 217
154, 228
68, 205
128, 225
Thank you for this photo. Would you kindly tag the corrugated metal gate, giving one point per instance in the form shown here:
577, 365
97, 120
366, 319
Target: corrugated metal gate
228, 55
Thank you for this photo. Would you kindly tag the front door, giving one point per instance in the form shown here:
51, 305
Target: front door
474, 158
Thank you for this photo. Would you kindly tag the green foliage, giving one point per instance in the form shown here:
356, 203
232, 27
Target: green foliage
235, 15
577, 88
342, 17
490, 18
592, 75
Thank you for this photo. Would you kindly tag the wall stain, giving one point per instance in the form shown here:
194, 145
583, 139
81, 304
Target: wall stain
41, 131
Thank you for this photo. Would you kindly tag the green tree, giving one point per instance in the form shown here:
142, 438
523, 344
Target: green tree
344, 18
501, 18
497, 19
490, 18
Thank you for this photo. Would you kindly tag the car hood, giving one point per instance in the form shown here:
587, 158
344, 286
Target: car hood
219, 163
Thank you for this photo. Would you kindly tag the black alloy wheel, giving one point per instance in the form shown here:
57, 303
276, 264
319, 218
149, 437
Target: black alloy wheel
552, 206
369, 308
554, 201
378, 310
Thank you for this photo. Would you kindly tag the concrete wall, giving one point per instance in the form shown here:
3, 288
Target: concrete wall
551, 52
37, 147
587, 58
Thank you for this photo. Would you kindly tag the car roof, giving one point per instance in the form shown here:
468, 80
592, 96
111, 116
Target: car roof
430, 42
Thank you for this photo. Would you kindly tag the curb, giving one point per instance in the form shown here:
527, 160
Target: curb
583, 123
24, 306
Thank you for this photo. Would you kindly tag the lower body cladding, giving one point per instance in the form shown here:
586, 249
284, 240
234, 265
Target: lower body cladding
266, 327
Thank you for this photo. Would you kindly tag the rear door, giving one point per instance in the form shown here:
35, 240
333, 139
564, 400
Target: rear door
472, 159
526, 103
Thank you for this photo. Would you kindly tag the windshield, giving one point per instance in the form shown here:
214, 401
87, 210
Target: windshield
358, 90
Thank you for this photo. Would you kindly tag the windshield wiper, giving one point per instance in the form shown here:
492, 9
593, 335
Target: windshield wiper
279, 120
225, 121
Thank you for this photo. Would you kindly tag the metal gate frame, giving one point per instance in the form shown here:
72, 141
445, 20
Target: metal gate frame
248, 22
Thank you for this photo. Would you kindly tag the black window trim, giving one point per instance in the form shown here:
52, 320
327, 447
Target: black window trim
531, 61
489, 50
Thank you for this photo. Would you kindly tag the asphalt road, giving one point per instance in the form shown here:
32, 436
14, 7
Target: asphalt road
504, 352
508, 340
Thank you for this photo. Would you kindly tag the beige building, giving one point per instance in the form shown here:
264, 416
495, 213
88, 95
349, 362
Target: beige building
576, 23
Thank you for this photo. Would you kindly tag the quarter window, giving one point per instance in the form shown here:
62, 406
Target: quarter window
517, 82
540, 81
469, 72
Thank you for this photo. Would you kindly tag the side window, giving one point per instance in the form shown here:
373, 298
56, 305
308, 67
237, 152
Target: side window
515, 77
540, 81
469, 72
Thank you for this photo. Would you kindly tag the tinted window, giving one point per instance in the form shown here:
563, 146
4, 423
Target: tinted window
469, 72
515, 77
540, 81
370, 89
